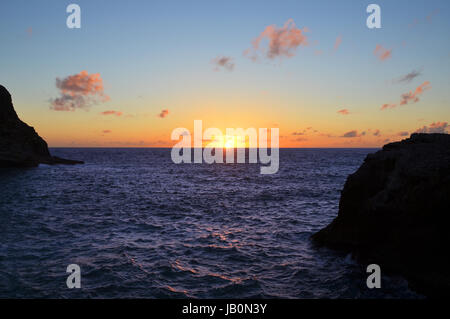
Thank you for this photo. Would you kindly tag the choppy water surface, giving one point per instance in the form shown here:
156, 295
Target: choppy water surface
140, 226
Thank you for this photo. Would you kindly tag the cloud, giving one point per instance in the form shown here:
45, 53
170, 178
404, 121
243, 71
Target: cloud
414, 96
409, 77
388, 106
428, 19
414, 23
163, 113
106, 131
431, 15
382, 53
435, 127
299, 133
350, 134
223, 62
111, 112
30, 31
409, 97
79, 91
282, 42
404, 133
377, 132
344, 112
337, 43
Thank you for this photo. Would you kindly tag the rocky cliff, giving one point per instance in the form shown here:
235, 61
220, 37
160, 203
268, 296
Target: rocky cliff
20, 145
394, 211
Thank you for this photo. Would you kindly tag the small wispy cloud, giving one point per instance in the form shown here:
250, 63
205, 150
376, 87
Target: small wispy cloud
344, 112
224, 62
377, 132
414, 23
407, 78
403, 133
282, 42
111, 112
163, 114
431, 16
337, 43
428, 19
382, 53
409, 97
414, 96
351, 134
388, 106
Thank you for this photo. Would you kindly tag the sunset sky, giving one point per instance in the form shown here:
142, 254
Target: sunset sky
136, 70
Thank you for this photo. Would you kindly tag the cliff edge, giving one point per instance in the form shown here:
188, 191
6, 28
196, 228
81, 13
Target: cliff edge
20, 145
394, 211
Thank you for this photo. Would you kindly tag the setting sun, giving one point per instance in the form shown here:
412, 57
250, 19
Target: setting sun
229, 143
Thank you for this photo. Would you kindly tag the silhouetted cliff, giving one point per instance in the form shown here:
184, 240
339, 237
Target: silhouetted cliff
20, 145
395, 212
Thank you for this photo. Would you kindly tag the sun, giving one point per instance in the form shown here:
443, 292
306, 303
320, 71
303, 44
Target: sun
229, 143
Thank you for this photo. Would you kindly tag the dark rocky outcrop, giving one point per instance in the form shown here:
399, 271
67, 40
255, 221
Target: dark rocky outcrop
20, 145
395, 211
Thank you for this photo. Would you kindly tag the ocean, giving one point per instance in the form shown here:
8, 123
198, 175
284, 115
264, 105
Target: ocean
140, 226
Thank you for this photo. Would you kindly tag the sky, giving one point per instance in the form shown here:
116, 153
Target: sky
137, 70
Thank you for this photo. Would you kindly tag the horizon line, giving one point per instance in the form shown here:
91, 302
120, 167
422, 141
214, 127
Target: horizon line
168, 147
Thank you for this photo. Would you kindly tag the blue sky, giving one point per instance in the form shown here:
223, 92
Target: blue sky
153, 55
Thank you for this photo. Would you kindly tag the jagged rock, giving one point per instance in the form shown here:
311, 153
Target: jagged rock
394, 211
20, 145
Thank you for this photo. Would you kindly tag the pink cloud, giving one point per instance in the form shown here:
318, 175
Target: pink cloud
377, 132
404, 133
337, 43
282, 41
414, 96
388, 106
79, 91
409, 97
163, 113
382, 53
435, 127
106, 131
111, 112
344, 112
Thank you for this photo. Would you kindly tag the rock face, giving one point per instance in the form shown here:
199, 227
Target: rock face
395, 212
20, 145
